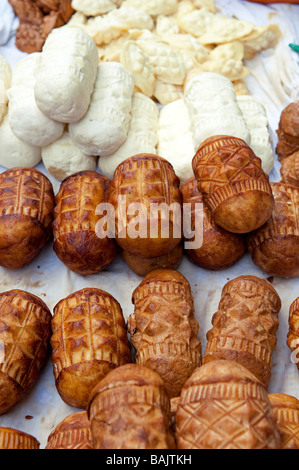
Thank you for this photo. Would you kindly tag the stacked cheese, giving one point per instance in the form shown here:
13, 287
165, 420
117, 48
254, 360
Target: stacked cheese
211, 107
161, 41
92, 93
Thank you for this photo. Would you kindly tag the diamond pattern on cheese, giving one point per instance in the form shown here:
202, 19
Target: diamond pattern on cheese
142, 135
263, 37
154, 7
256, 120
213, 108
175, 138
65, 74
195, 22
111, 52
26, 120
229, 68
134, 59
192, 51
103, 29
95, 7
105, 126
168, 64
223, 29
196, 30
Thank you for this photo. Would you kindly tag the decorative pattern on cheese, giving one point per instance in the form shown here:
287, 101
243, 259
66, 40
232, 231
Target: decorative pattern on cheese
62, 158
65, 73
168, 64
175, 138
26, 120
95, 7
213, 108
177, 37
137, 62
104, 28
105, 126
255, 117
142, 135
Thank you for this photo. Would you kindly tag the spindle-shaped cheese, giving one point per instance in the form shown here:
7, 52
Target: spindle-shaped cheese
88, 340
274, 247
26, 120
144, 193
224, 406
26, 215
76, 241
233, 184
286, 411
130, 409
245, 325
65, 74
73, 432
163, 328
24, 339
105, 126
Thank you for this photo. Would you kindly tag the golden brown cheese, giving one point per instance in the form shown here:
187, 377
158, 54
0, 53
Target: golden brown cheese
14, 439
146, 179
26, 215
233, 184
245, 325
289, 169
130, 409
220, 249
143, 266
288, 131
164, 329
224, 406
24, 344
89, 340
286, 411
71, 433
76, 241
293, 333
274, 247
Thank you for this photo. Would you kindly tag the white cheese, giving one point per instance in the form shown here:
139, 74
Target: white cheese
105, 126
65, 74
213, 108
142, 135
255, 117
26, 120
62, 158
13, 151
175, 138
